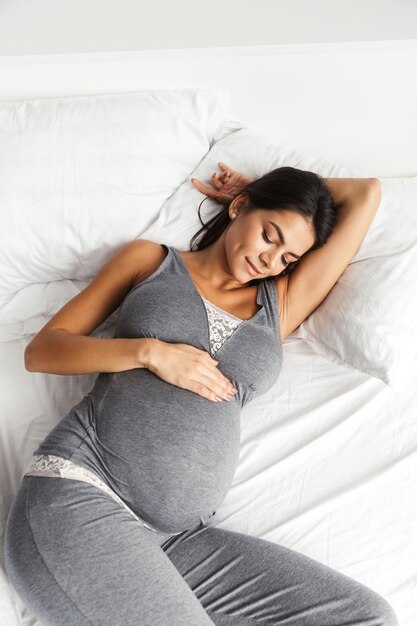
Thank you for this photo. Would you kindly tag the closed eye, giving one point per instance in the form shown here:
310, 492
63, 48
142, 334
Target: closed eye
284, 260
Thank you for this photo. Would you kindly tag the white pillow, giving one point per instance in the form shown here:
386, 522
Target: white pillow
368, 320
80, 176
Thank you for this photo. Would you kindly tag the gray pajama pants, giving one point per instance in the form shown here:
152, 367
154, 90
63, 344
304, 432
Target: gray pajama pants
76, 557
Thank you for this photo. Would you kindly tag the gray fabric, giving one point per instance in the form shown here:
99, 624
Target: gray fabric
76, 557
169, 453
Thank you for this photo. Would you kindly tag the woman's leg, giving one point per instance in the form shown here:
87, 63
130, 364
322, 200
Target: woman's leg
76, 557
242, 580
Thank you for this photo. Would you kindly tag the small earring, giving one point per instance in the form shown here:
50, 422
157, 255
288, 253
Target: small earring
233, 216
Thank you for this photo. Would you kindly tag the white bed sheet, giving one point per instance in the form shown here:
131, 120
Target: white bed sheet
327, 464
327, 467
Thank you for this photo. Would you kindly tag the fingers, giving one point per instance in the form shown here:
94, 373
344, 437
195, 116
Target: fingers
215, 383
202, 376
207, 191
225, 176
204, 387
222, 388
219, 195
226, 171
224, 167
216, 182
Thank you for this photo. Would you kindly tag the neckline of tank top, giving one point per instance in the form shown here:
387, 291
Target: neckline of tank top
258, 294
226, 313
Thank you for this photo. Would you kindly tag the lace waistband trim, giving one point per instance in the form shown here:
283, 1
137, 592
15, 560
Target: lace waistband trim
52, 465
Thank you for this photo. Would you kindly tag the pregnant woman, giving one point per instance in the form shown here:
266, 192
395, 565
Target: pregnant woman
109, 526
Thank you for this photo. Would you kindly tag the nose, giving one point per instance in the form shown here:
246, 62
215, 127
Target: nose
271, 261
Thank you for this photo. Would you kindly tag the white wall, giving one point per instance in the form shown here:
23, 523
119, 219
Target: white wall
350, 98
352, 104
29, 27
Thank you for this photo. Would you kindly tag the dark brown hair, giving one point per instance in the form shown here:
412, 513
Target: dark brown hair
284, 188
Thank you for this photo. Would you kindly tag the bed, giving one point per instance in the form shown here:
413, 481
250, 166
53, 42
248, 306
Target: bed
328, 460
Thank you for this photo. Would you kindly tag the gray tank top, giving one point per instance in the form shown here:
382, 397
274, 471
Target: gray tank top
167, 452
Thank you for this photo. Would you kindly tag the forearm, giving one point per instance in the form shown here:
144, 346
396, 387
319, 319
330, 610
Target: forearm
343, 190
347, 190
61, 352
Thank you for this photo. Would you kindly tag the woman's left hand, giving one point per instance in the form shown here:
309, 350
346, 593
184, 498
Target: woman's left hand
225, 186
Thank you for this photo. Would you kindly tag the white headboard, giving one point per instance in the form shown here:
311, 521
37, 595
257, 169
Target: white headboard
353, 104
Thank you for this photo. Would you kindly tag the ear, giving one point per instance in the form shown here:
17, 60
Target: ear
240, 202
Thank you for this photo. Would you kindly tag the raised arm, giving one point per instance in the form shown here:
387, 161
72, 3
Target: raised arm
303, 290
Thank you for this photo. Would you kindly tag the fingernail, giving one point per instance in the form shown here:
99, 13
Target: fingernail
218, 399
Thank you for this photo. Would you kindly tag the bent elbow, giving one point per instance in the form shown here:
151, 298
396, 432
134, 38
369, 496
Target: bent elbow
376, 190
28, 359
376, 183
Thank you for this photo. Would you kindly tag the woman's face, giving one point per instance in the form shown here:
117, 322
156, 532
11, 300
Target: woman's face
252, 236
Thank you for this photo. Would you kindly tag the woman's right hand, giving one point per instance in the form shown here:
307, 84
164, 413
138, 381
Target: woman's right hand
224, 186
189, 368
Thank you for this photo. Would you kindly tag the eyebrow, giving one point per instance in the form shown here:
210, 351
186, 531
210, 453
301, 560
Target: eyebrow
281, 236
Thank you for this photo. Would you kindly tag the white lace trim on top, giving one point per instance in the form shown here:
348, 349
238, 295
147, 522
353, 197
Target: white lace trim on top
222, 325
52, 465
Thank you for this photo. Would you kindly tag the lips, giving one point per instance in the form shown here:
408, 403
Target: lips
252, 266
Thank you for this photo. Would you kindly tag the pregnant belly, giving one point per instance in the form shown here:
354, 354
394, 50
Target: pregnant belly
169, 453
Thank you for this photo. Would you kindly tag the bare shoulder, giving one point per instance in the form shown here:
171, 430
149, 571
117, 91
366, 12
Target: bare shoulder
149, 256
131, 263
